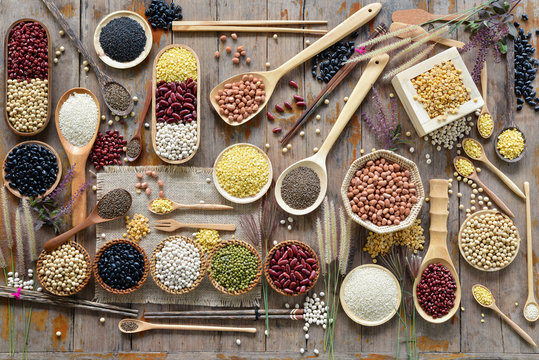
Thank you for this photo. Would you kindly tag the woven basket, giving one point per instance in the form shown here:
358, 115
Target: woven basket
98, 278
153, 269
414, 177
222, 289
83, 251
304, 247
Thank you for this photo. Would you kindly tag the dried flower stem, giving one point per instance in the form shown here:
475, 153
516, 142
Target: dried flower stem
30, 230
417, 44
382, 50
7, 221
387, 36
19, 240
409, 63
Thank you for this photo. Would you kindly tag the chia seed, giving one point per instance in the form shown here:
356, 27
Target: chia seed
300, 188
117, 96
129, 326
115, 203
133, 148
122, 39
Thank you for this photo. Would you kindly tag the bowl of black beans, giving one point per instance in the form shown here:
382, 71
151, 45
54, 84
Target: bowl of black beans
31, 169
121, 266
161, 15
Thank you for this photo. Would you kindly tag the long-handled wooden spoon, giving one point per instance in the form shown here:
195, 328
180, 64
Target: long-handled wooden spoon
531, 301
483, 158
417, 33
92, 219
473, 176
317, 162
176, 206
484, 109
437, 252
509, 322
170, 225
271, 78
136, 135
420, 16
131, 326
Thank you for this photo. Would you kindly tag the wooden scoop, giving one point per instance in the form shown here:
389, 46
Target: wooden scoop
529, 253
437, 252
144, 326
77, 156
420, 16
317, 162
136, 135
509, 322
489, 192
484, 109
92, 219
176, 206
418, 33
270, 78
483, 158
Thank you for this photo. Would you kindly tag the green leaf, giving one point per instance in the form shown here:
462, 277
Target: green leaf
502, 47
506, 5
512, 30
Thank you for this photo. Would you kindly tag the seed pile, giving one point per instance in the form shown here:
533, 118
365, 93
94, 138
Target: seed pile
113, 204
31, 169
207, 239
78, 119
129, 325
63, 269
176, 101
531, 311
122, 39
107, 149
117, 96
380, 244
176, 141
27, 104
482, 295
234, 267
242, 171
510, 143
177, 264
436, 290
238, 100
300, 188
485, 125
525, 71
162, 206
328, 62
136, 227
293, 269
450, 134
176, 64
133, 148
464, 166
161, 15
121, 266
472, 148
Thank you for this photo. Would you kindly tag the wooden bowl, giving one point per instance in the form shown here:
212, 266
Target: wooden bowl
523, 150
115, 15
267, 266
49, 78
221, 288
58, 175
154, 120
415, 177
356, 318
248, 199
98, 278
465, 223
153, 269
39, 266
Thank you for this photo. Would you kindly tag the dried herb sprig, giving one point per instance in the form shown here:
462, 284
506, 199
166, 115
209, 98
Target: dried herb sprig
431, 35
19, 241
7, 220
417, 58
30, 232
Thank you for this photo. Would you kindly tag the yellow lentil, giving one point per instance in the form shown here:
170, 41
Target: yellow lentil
510, 143
162, 206
485, 125
242, 171
207, 239
137, 227
464, 167
482, 295
411, 237
472, 149
176, 64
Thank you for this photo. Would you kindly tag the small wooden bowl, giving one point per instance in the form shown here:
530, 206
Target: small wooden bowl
100, 281
523, 150
153, 270
248, 199
58, 175
267, 263
465, 223
39, 266
154, 119
115, 15
49, 78
221, 288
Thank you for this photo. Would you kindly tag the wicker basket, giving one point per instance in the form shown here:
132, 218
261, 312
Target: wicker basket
222, 289
414, 177
98, 278
153, 269
304, 247
39, 266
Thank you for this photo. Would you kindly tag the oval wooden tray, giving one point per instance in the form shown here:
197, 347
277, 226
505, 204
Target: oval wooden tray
49, 78
154, 120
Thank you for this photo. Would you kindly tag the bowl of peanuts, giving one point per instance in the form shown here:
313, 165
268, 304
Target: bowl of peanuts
383, 192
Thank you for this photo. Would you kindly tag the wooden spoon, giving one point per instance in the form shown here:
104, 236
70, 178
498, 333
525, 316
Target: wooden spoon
144, 326
418, 33
92, 219
529, 253
483, 158
484, 109
420, 16
176, 206
77, 156
136, 135
270, 78
473, 176
509, 322
437, 252
103, 79
317, 162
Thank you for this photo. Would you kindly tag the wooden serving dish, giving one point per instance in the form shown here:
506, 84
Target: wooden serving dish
49, 78
58, 176
154, 120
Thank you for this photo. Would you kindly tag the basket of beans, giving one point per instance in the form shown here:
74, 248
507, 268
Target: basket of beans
382, 192
65, 270
234, 267
291, 268
177, 265
121, 266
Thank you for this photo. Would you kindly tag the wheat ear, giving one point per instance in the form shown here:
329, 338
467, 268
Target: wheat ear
417, 44
409, 63
344, 251
382, 50
7, 221
320, 236
387, 36
18, 239
30, 232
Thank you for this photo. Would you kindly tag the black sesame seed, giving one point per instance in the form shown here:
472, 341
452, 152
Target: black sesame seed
122, 39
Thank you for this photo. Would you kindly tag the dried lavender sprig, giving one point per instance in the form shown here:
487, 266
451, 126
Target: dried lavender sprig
268, 217
394, 111
7, 221
66, 180
67, 207
409, 63
19, 240
431, 35
30, 232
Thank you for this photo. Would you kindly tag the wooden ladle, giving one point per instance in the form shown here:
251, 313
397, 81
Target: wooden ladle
92, 219
144, 326
483, 158
437, 252
418, 33
77, 156
317, 162
270, 78
136, 135
484, 109
529, 254
509, 322
473, 176
176, 206
420, 16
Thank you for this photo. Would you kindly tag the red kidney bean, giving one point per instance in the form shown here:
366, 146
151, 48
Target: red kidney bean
279, 108
301, 104
277, 130
288, 269
176, 102
270, 116
288, 105
298, 98
293, 84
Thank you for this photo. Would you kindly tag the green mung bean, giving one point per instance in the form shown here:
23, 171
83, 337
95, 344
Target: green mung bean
234, 267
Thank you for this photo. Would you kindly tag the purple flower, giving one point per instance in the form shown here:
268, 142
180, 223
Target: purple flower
68, 206
384, 126
66, 180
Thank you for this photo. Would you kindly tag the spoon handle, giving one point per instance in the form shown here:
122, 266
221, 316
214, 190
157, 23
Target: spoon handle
202, 328
205, 207
147, 102
484, 81
494, 197
510, 184
438, 215
529, 244
79, 211
515, 327
62, 238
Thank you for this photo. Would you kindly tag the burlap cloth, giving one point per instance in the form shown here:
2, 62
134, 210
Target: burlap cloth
186, 185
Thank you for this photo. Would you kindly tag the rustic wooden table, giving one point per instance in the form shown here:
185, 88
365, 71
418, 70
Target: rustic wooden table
83, 337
